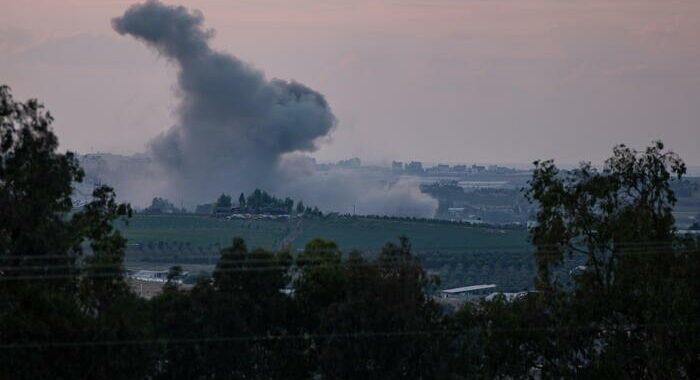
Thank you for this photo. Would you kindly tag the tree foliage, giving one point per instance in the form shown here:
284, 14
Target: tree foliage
52, 293
224, 201
370, 319
162, 205
630, 309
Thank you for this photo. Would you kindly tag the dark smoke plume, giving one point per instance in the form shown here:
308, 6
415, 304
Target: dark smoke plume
237, 130
233, 122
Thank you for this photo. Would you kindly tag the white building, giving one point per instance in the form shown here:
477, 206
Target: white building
467, 291
155, 275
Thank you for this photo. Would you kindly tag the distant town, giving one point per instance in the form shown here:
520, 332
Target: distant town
473, 193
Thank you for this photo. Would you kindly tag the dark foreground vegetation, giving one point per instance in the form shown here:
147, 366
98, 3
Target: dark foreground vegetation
630, 310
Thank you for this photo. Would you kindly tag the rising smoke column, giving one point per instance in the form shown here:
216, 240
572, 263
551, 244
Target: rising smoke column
237, 130
233, 123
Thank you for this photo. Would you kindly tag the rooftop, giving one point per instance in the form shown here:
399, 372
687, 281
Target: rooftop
468, 288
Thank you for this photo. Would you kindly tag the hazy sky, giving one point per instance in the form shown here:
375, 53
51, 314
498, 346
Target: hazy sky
435, 80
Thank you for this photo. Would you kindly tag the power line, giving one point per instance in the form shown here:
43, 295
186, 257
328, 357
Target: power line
330, 336
637, 245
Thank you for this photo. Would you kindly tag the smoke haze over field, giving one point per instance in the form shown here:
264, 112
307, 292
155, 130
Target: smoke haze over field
237, 130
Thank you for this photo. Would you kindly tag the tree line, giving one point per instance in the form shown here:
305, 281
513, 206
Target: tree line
261, 202
629, 310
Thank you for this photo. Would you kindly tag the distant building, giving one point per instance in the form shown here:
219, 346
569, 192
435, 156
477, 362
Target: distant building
221, 211
275, 211
397, 166
414, 167
150, 275
473, 219
351, 163
154, 275
478, 168
467, 291
443, 168
455, 213
204, 209
500, 169
459, 168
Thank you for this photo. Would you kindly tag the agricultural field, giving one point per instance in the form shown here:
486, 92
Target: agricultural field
369, 234
460, 254
201, 231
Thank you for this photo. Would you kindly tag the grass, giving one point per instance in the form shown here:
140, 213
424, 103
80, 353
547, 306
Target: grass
202, 231
460, 254
367, 234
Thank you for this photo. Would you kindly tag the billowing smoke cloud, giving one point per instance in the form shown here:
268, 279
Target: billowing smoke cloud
233, 122
347, 190
234, 125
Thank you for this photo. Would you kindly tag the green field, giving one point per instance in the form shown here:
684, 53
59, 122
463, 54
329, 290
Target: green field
365, 234
460, 254
370, 234
202, 231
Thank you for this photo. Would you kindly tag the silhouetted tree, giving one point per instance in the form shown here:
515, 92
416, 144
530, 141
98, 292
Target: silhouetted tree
224, 201
56, 301
615, 298
371, 319
241, 322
